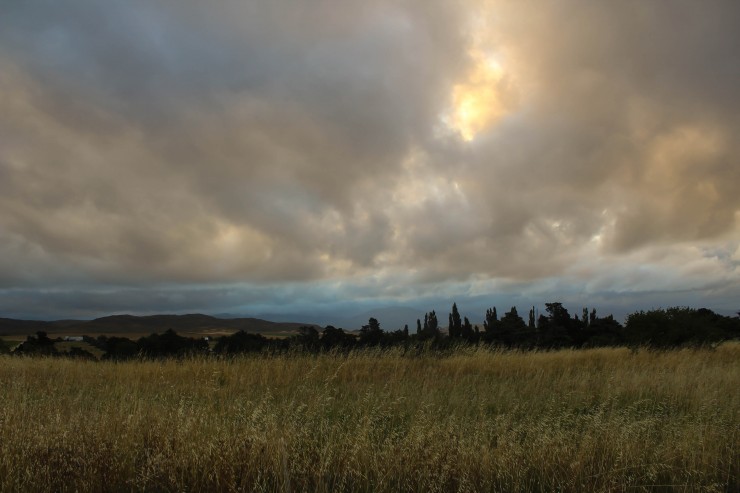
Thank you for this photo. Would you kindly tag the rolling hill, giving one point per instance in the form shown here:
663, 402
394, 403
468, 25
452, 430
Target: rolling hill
131, 324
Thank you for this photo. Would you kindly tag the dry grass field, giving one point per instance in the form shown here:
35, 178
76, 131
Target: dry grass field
473, 420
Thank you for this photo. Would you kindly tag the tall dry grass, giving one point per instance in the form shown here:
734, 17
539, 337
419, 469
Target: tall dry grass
597, 420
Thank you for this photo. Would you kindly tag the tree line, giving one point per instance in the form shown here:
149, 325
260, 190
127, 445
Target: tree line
555, 329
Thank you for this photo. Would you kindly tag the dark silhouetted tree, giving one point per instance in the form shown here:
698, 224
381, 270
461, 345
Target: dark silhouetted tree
603, 332
558, 314
510, 328
559, 329
679, 326
371, 334
555, 327
467, 331
332, 337
490, 324
80, 354
431, 327
118, 348
396, 337
170, 344
455, 325
308, 337
40, 345
240, 342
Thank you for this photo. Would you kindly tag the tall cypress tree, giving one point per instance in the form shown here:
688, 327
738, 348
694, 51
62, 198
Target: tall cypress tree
455, 322
431, 325
467, 331
489, 324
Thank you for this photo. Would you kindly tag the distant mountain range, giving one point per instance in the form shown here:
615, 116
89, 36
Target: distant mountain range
125, 324
390, 318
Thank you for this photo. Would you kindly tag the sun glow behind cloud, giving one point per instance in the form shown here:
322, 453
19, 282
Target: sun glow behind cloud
477, 102
483, 94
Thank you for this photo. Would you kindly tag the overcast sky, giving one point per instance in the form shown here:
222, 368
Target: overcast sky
291, 157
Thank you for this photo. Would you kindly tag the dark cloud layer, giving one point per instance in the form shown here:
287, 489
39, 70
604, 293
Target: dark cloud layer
175, 146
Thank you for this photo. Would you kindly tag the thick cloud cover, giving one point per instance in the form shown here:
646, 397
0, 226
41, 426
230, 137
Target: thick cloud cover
390, 150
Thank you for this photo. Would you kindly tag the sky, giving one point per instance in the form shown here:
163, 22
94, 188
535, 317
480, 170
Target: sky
321, 158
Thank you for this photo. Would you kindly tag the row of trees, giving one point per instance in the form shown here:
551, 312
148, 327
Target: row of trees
660, 328
558, 329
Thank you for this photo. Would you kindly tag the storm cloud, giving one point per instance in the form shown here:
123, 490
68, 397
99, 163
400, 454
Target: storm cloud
378, 150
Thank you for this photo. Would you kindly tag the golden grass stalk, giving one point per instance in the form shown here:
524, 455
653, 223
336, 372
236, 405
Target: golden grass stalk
474, 420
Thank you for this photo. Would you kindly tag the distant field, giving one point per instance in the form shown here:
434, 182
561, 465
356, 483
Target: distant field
134, 327
595, 420
212, 333
13, 340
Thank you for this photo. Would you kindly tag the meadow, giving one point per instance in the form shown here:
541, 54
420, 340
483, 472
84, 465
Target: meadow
610, 419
